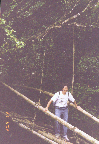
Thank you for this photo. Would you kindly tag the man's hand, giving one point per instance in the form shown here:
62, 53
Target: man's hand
46, 109
79, 108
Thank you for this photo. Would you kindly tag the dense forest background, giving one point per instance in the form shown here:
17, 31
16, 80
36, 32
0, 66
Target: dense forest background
37, 40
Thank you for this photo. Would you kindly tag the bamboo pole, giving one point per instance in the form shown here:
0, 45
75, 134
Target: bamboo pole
71, 104
75, 129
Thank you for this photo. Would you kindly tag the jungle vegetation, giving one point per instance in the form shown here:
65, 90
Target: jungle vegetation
36, 50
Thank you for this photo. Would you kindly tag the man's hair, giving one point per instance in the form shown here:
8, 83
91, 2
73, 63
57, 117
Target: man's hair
64, 84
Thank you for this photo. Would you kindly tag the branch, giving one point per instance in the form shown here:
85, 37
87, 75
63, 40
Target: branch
80, 25
41, 35
78, 14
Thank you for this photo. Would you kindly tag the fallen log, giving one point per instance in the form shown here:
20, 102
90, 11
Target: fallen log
75, 129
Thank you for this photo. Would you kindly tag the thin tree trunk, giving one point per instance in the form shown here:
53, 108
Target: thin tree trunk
42, 74
73, 62
76, 130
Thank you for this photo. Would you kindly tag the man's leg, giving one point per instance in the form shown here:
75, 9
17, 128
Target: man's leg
57, 124
65, 118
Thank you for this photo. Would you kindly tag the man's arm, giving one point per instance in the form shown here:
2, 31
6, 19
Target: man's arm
75, 104
46, 109
78, 107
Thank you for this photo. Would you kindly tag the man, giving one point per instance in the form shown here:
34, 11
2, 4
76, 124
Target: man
61, 108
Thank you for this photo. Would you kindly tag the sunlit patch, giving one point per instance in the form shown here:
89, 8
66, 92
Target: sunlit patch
7, 123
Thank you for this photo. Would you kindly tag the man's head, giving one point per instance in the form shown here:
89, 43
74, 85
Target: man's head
65, 89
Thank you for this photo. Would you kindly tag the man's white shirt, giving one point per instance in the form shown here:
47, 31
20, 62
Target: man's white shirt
61, 100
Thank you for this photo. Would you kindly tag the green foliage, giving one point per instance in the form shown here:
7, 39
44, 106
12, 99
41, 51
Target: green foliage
89, 69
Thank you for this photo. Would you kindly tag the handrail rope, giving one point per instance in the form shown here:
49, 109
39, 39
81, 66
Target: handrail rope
75, 129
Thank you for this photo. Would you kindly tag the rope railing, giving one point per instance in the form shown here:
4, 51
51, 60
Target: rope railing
71, 104
74, 129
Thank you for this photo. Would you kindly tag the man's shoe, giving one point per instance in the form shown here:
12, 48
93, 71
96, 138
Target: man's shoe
66, 138
57, 135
